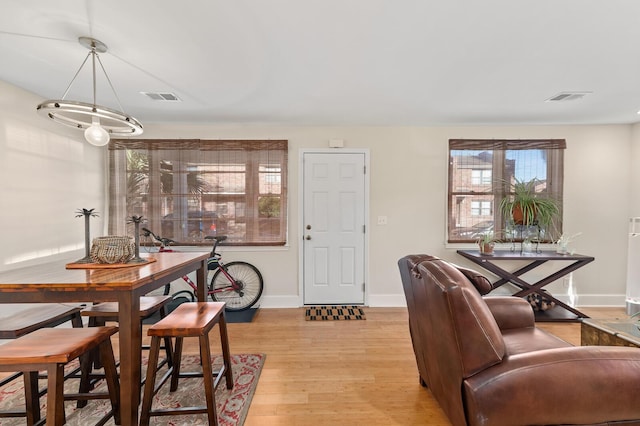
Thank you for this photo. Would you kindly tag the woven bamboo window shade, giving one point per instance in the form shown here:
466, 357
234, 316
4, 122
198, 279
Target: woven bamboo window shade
187, 189
481, 172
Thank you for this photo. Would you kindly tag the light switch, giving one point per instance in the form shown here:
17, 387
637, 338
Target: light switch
382, 220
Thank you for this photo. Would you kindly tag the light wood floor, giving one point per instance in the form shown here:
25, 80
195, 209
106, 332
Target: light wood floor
345, 372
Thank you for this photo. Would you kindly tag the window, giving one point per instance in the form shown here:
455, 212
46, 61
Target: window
189, 189
480, 176
480, 208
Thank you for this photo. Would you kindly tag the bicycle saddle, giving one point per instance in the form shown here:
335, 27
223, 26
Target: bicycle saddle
220, 238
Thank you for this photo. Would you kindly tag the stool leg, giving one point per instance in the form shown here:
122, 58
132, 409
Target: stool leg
31, 397
95, 356
168, 348
226, 352
168, 345
150, 382
111, 376
207, 376
55, 394
76, 320
176, 364
88, 362
86, 365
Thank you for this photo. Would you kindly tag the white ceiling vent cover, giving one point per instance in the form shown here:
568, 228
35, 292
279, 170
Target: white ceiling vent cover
567, 96
160, 96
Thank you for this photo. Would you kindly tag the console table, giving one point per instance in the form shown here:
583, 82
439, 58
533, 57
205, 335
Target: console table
560, 312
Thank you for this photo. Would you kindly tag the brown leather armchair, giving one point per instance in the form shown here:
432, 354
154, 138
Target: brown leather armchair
486, 362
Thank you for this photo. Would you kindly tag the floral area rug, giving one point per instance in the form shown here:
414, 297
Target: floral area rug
232, 404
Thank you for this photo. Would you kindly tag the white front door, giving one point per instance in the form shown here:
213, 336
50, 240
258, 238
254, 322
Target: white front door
333, 228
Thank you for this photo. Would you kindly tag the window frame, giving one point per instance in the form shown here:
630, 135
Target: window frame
499, 188
245, 161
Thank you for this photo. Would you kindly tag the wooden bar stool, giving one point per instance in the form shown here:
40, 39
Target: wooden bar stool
51, 349
101, 313
192, 319
41, 315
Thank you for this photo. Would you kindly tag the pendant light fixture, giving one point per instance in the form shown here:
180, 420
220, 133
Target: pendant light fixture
98, 122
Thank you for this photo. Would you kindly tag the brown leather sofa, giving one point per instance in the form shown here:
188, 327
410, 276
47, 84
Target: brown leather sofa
486, 362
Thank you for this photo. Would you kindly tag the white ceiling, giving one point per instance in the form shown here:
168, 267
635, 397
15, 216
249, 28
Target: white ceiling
336, 62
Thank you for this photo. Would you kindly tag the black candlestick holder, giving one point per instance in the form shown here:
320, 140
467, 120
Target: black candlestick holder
87, 213
136, 220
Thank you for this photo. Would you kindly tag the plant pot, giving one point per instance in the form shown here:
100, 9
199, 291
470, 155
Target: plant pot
486, 248
519, 216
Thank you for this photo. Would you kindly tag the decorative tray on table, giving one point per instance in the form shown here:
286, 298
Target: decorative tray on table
76, 265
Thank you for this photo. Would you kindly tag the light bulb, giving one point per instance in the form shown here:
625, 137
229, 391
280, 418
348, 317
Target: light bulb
95, 134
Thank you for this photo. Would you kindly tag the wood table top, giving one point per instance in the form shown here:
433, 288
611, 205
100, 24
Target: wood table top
55, 275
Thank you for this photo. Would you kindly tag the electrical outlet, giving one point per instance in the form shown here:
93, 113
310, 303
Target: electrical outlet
382, 220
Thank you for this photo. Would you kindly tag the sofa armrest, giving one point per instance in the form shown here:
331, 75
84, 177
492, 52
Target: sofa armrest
510, 312
573, 385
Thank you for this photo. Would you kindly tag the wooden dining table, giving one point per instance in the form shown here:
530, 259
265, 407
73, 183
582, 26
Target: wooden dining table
54, 282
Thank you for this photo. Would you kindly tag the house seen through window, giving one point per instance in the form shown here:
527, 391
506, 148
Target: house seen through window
482, 174
481, 208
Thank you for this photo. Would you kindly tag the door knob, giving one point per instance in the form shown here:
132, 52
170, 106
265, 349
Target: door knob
308, 237
308, 226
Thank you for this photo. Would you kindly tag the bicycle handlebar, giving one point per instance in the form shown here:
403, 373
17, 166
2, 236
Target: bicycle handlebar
166, 241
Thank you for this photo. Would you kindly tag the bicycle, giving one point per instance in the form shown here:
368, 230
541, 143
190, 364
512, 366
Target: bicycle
239, 284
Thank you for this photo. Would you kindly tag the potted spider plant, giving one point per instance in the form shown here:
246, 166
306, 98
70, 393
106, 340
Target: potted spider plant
527, 207
486, 243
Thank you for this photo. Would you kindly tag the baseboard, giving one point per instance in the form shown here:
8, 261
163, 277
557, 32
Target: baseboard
398, 300
376, 301
597, 300
280, 302
387, 301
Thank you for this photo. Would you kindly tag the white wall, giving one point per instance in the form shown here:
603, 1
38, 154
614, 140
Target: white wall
408, 176
409, 183
47, 173
634, 182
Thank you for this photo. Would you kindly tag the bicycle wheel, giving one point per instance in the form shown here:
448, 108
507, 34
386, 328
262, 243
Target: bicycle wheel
249, 286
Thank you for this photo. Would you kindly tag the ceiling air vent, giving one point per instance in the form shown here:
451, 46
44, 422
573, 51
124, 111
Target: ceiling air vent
567, 96
160, 96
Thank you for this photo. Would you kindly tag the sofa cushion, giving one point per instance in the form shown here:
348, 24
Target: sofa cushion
530, 339
510, 312
479, 281
582, 385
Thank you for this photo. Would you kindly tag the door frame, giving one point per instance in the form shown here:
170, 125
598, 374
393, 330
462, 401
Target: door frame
300, 233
